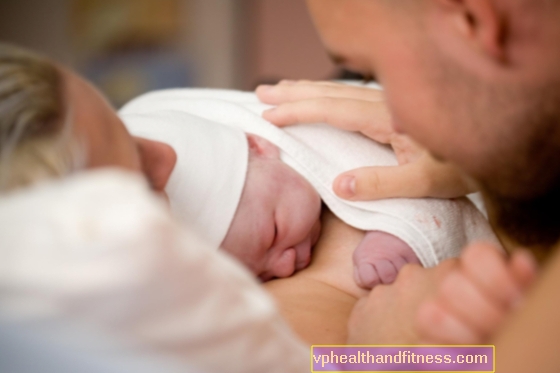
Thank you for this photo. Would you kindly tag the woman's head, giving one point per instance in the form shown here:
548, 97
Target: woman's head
53, 123
34, 137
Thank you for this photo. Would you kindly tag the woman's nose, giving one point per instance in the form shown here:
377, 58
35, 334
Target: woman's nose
158, 161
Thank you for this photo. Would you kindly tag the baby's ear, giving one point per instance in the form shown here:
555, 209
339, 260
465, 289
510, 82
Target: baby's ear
262, 147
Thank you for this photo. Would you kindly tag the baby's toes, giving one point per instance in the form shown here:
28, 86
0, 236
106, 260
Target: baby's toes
365, 275
368, 274
386, 270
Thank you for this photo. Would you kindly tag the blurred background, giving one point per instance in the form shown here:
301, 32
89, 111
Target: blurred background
128, 47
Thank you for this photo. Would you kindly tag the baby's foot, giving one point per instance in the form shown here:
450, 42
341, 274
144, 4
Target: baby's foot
379, 257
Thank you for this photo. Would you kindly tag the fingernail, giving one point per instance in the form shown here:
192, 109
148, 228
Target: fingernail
347, 185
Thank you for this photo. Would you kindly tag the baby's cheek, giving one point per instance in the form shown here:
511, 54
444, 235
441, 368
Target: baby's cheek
316, 232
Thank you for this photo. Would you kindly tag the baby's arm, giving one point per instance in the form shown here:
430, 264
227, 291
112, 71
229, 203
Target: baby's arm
379, 257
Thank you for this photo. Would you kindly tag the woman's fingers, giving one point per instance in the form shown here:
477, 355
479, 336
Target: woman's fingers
289, 91
374, 183
443, 180
360, 109
474, 299
436, 325
370, 118
422, 178
463, 299
489, 270
524, 268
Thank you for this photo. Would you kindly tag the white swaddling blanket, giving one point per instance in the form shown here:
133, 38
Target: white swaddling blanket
435, 229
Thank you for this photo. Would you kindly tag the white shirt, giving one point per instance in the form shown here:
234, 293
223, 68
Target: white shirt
98, 251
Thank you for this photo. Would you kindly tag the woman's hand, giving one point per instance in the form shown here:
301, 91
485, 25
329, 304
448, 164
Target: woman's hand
473, 301
387, 315
461, 301
364, 110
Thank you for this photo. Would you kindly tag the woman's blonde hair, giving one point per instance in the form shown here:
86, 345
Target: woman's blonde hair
35, 132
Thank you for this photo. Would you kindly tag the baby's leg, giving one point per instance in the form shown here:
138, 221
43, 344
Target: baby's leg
379, 257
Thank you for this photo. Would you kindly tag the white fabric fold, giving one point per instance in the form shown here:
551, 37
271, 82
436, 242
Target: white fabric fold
435, 229
206, 184
98, 255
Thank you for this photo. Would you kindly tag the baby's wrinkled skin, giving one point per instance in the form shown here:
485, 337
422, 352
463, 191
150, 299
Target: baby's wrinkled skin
278, 222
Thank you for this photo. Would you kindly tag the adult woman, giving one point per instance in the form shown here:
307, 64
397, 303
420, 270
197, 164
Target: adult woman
97, 254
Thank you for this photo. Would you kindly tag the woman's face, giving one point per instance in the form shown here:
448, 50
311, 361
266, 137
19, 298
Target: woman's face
107, 142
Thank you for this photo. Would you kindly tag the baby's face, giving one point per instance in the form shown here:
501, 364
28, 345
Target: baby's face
278, 218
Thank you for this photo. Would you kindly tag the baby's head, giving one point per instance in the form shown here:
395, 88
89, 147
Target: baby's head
278, 218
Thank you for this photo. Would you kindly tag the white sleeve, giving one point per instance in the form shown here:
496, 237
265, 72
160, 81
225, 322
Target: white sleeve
100, 250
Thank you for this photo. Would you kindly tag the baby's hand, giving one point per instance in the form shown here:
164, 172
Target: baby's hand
474, 299
379, 257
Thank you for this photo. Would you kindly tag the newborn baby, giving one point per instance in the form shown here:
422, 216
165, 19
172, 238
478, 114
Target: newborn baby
256, 190
278, 222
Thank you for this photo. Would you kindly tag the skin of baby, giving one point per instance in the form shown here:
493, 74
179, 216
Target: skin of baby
278, 218
278, 223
